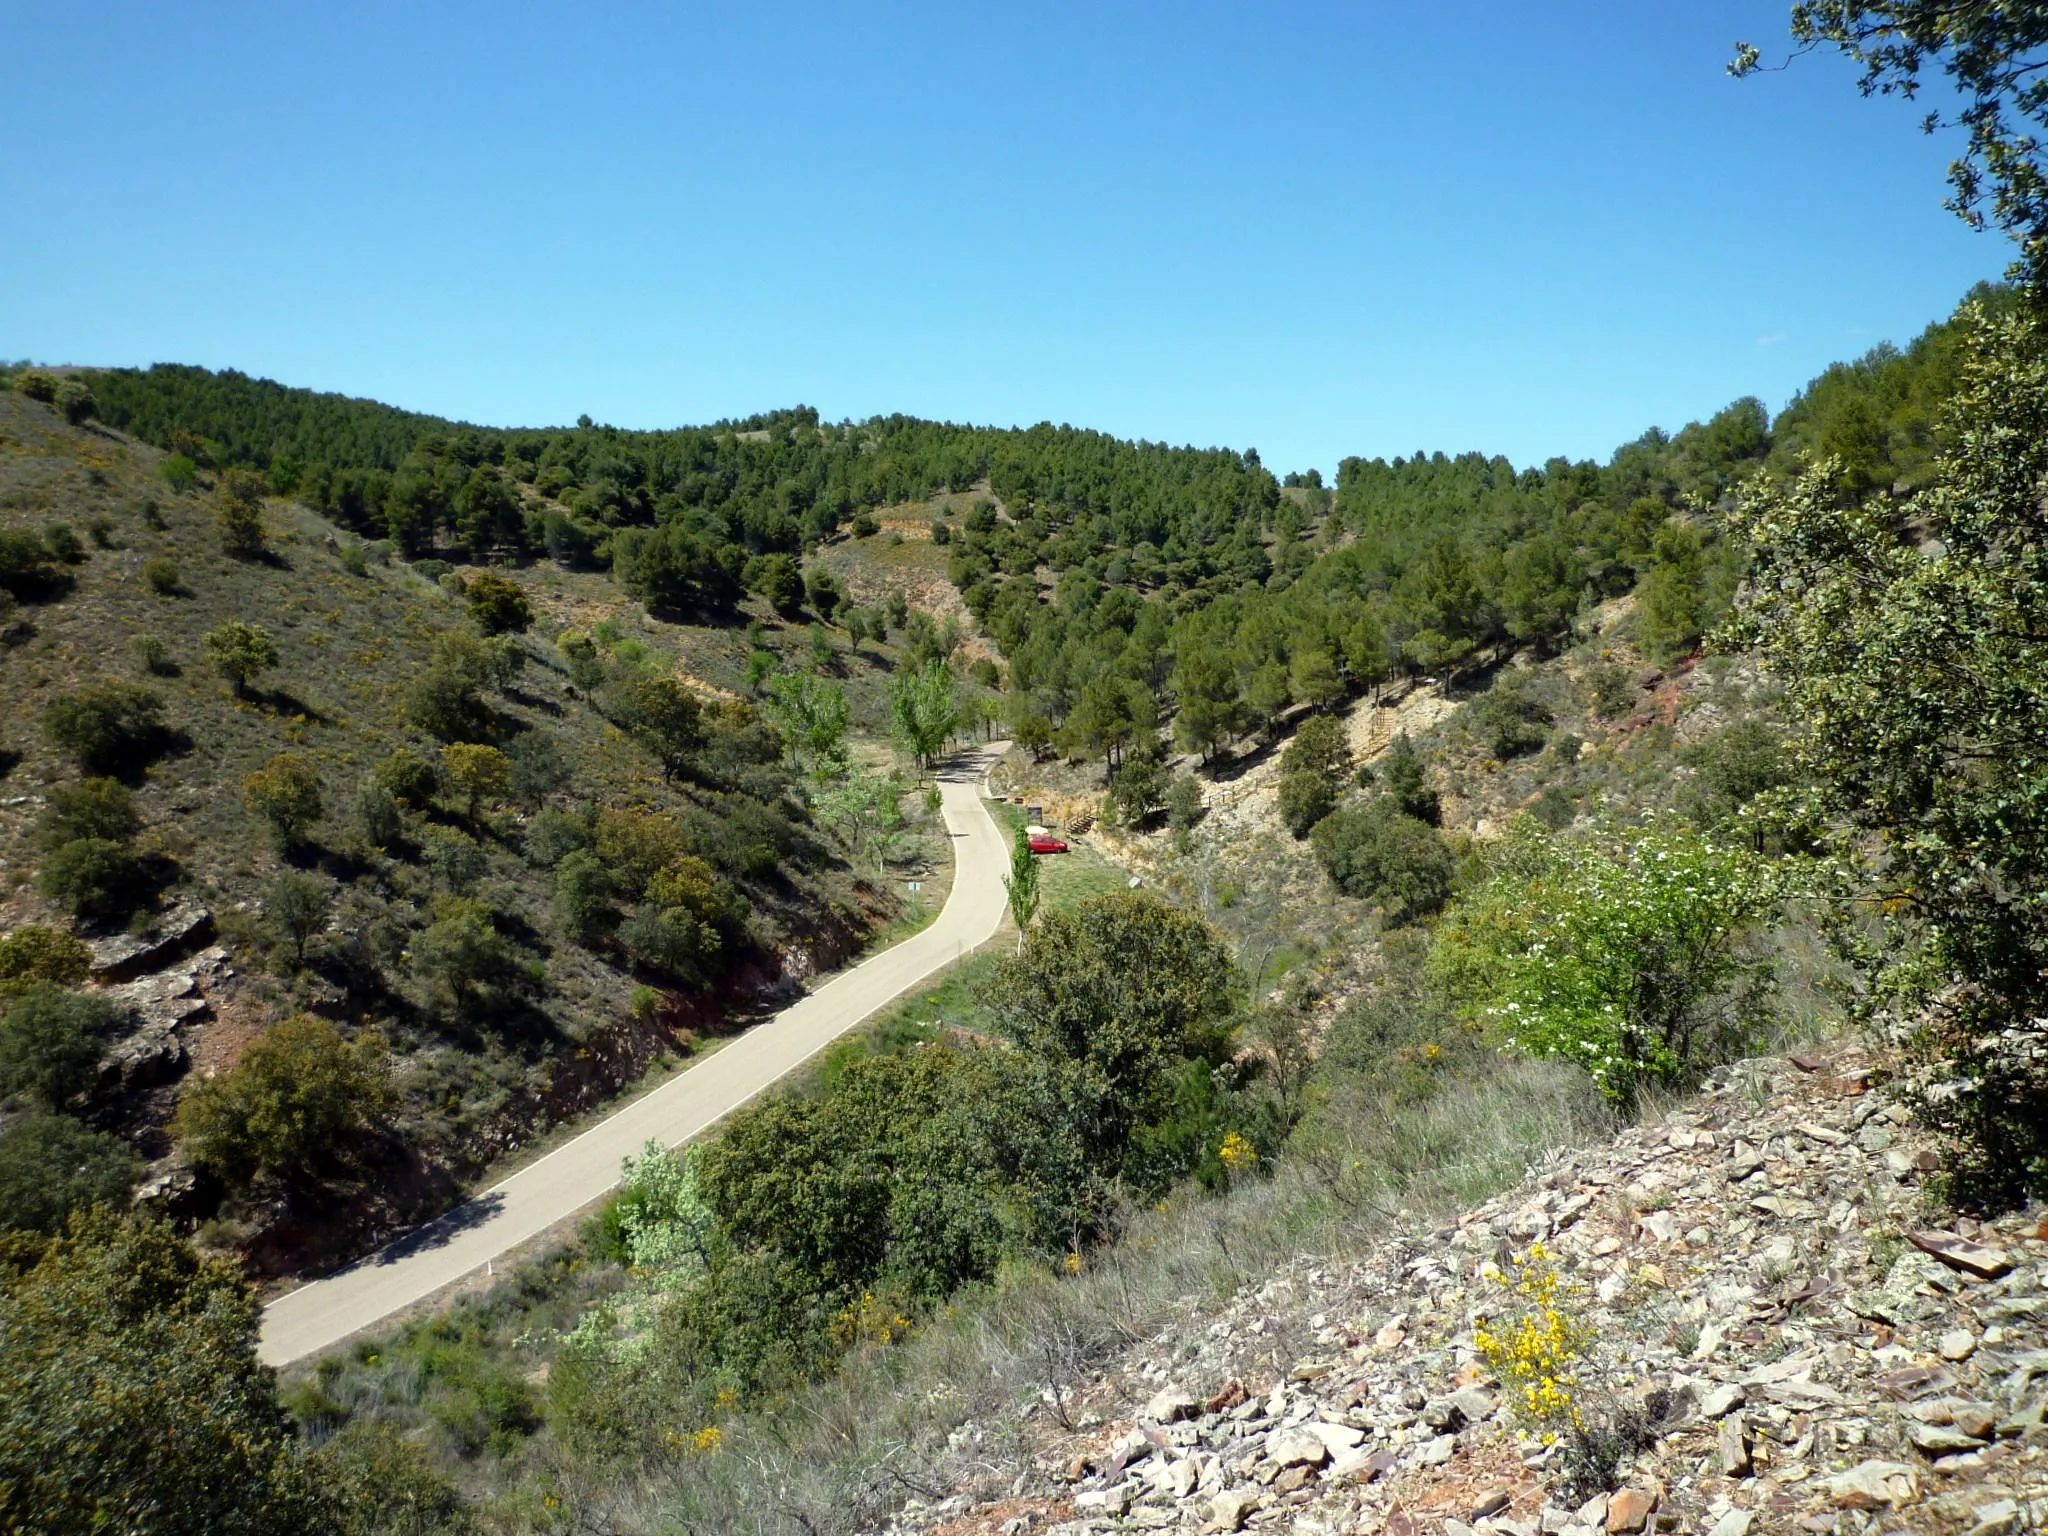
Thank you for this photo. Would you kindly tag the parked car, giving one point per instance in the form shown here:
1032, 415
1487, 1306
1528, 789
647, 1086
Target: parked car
1045, 842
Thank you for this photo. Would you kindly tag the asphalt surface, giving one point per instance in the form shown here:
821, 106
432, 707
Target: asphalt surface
323, 1313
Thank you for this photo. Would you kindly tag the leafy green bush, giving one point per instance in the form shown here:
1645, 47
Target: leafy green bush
1506, 722
239, 518
26, 568
462, 956
1305, 799
239, 652
297, 906
34, 953
408, 778
671, 941
37, 384
160, 575
497, 604
378, 817
75, 399
298, 1099
106, 727
51, 1166
583, 891
1628, 958
286, 792
101, 808
456, 858
1402, 775
95, 877
1380, 854
179, 473
152, 655
63, 544
131, 1398
50, 1043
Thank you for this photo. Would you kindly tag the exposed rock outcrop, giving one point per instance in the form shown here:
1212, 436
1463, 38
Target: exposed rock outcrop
1800, 1346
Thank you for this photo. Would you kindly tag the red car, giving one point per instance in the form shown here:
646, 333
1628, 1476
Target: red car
1045, 842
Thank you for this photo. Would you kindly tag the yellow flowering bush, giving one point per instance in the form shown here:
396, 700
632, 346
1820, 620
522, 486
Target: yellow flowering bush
1537, 1346
1237, 1154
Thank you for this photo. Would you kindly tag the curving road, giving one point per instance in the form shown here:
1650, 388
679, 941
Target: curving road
324, 1312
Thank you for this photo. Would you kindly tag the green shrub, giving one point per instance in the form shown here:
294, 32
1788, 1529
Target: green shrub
95, 878
297, 905
152, 655
50, 1043
37, 384
240, 652
300, 1097
131, 1398
106, 727
34, 953
409, 778
63, 544
179, 473
378, 817
286, 793
1506, 722
497, 604
1305, 799
583, 891
553, 835
239, 518
456, 858
26, 570
1401, 774
463, 957
160, 575
75, 399
671, 941
1629, 959
1379, 854
93, 808
51, 1166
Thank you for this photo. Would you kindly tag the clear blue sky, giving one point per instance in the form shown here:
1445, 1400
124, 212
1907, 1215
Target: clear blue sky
1313, 229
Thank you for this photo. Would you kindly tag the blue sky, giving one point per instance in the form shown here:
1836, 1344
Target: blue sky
1314, 229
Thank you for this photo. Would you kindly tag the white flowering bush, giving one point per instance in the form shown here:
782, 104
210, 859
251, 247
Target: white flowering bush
1625, 954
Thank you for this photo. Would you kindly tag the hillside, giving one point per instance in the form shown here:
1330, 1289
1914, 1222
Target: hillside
1758, 1323
433, 922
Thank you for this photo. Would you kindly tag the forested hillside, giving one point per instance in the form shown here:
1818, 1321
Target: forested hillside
431, 781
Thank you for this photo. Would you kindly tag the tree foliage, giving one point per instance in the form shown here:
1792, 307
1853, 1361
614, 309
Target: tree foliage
239, 652
297, 1101
1912, 641
1628, 959
131, 1398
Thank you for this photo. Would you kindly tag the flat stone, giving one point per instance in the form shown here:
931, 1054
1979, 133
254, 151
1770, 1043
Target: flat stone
1296, 1447
1942, 1440
1957, 1344
1438, 1451
1734, 1447
1723, 1400
1293, 1479
1172, 1404
2001, 1517
1228, 1509
1629, 1510
1960, 1253
1734, 1522
123, 957
1361, 1466
1874, 1485
1338, 1437
1491, 1502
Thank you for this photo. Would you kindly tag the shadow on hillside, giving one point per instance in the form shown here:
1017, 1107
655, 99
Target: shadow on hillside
280, 701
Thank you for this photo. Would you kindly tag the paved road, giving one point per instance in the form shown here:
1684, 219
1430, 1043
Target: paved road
321, 1314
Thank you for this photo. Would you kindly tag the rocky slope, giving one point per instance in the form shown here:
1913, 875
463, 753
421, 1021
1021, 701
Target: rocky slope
1804, 1340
